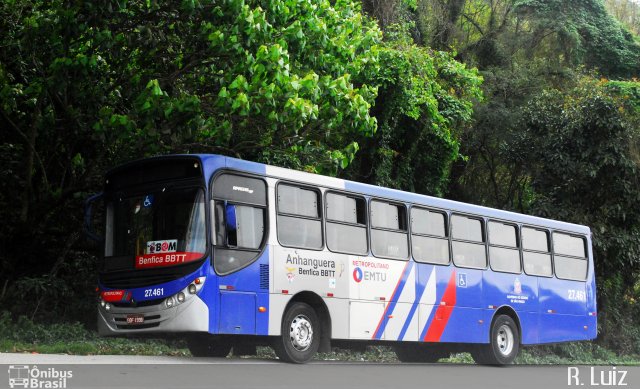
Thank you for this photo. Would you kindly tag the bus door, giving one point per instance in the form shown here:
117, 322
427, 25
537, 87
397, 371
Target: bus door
240, 256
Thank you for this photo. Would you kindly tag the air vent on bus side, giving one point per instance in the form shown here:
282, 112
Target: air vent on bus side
264, 276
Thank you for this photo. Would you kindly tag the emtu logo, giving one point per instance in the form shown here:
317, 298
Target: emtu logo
19, 376
357, 274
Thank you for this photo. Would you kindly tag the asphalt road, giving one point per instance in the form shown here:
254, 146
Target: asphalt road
113, 371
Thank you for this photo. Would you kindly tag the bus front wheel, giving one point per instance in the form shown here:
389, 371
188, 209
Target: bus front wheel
504, 343
300, 336
208, 346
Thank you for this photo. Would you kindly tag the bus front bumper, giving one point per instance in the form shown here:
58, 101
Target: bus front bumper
192, 315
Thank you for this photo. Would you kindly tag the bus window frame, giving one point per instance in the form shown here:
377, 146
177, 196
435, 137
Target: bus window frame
518, 245
407, 231
447, 232
141, 190
484, 242
319, 192
548, 231
585, 258
326, 220
211, 220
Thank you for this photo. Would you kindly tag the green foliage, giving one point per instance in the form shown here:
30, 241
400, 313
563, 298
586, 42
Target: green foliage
424, 96
581, 152
583, 33
25, 335
87, 85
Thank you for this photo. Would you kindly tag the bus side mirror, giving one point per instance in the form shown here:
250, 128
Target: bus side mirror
231, 224
88, 216
230, 217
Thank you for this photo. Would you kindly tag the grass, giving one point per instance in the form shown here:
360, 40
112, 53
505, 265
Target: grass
25, 336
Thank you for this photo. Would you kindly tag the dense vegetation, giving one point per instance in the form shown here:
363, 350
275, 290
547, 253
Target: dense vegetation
526, 105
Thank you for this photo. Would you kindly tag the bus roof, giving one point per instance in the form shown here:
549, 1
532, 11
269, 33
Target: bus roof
393, 194
212, 162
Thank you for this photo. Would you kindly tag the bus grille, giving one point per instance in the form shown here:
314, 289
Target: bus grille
140, 278
138, 304
136, 326
264, 277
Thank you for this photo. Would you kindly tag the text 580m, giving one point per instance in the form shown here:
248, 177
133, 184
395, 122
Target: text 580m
155, 292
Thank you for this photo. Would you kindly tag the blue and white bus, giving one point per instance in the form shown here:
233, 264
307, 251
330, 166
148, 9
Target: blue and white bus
233, 254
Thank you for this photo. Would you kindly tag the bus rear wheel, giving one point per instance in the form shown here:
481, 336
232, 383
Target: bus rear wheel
504, 343
208, 346
300, 335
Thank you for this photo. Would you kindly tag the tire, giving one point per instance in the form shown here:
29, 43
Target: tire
504, 343
208, 346
417, 353
300, 334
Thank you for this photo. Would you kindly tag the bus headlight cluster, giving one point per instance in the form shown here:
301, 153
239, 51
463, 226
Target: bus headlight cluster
185, 294
105, 305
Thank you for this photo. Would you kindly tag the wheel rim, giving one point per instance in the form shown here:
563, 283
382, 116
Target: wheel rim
504, 339
301, 333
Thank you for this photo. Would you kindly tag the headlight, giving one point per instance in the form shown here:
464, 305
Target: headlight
107, 306
169, 302
180, 297
192, 289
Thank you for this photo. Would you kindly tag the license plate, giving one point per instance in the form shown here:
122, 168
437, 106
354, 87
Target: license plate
135, 319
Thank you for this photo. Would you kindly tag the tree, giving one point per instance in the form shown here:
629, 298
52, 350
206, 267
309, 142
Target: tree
86, 85
425, 98
580, 150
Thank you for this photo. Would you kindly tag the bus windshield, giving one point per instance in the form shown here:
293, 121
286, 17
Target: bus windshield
157, 226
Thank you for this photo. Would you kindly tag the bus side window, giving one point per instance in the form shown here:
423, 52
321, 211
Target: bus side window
504, 255
536, 252
468, 242
389, 232
570, 256
299, 222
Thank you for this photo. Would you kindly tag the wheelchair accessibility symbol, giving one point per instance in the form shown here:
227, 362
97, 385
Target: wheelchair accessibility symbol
462, 280
148, 201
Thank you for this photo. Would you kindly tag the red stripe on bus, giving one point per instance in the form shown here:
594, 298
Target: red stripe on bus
443, 312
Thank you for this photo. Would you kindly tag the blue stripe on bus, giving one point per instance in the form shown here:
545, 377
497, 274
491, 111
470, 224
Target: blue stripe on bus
423, 272
393, 300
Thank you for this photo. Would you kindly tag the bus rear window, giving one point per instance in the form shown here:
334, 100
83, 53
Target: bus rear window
570, 257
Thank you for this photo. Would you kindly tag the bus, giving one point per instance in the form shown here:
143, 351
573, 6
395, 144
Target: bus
230, 254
